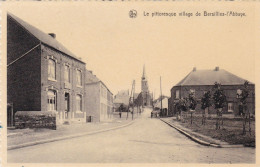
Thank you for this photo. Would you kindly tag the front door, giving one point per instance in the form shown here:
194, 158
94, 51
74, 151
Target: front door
67, 105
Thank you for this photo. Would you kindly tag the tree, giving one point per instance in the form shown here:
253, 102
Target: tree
138, 102
183, 106
205, 104
243, 102
192, 103
219, 102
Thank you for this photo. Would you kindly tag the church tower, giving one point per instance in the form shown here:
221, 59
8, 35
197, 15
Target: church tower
145, 89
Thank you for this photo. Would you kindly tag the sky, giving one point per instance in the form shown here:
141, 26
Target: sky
115, 47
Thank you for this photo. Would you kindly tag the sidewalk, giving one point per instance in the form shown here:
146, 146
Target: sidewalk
197, 137
19, 138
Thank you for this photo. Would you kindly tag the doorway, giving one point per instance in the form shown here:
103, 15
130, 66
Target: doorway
67, 105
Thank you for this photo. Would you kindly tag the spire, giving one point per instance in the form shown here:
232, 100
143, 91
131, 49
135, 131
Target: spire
144, 74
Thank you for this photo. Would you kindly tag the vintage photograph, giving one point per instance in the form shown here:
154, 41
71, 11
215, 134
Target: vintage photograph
92, 82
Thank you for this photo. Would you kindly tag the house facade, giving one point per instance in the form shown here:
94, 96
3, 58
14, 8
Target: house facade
42, 75
99, 99
200, 81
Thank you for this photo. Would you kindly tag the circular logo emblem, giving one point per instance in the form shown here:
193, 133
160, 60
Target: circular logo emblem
132, 13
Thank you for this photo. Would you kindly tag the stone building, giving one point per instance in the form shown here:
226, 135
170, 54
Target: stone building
200, 81
42, 75
99, 99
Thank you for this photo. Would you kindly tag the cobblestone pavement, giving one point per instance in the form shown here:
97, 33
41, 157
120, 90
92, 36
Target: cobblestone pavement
146, 141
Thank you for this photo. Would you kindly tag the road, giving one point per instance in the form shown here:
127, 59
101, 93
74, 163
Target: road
146, 141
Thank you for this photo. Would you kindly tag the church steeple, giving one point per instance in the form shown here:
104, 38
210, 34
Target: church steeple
144, 74
144, 82
145, 89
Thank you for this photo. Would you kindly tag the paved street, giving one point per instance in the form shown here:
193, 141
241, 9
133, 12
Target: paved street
146, 141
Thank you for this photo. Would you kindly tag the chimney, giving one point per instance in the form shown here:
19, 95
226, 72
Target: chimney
217, 69
194, 69
52, 35
91, 72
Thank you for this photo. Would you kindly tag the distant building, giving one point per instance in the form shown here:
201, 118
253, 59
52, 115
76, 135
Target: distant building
121, 98
42, 75
99, 99
203, 80
163, 105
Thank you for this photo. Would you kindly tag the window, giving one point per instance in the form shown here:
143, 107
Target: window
52, 100
230, 107
177, 94
67, 73
79, 103
239, 93
192, 91
79, 78
52, 69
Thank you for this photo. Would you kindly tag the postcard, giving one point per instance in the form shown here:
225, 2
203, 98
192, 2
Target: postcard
122, 83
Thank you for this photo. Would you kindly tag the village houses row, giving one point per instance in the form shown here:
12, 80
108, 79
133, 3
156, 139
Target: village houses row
42, 75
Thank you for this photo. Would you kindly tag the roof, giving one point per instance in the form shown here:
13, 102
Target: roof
209, 77
43, 37
93, 79
90, 78
161, 97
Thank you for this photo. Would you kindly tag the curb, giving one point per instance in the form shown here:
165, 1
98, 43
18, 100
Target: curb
66, 137
193, 137
201, 141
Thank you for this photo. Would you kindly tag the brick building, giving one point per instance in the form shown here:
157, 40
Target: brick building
99, 99
42, 75
203, 80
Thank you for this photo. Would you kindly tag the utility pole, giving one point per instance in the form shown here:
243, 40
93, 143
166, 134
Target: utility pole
130, 99
161, 91
153, 98
133, 106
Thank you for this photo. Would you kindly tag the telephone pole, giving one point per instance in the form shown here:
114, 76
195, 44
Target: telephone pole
161, 91
133, 85
133, 106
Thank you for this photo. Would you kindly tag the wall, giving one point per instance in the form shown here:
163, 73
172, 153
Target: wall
35, 119
92, 100
59, 84
104, 114
23, 76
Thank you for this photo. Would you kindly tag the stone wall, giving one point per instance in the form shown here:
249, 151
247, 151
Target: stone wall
35, 119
